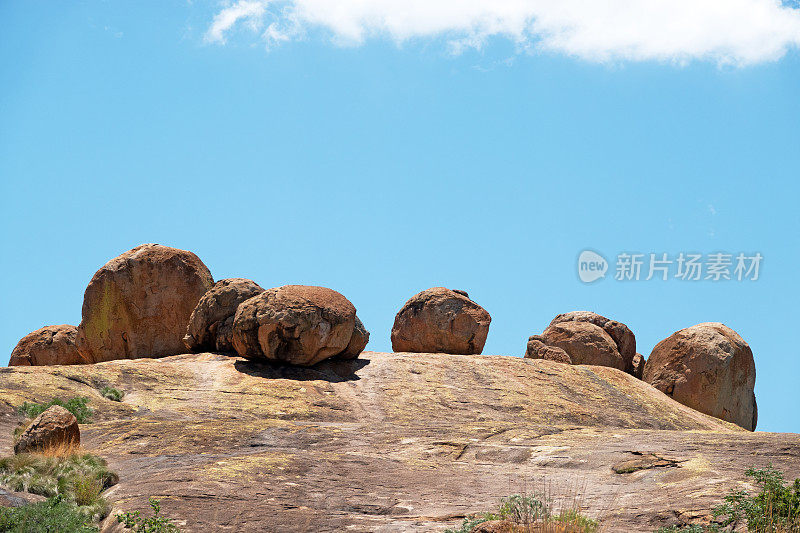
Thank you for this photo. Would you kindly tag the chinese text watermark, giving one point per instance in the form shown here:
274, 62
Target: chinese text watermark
718, 266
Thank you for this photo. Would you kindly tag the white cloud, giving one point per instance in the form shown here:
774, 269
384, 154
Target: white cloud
738, 32
251, 11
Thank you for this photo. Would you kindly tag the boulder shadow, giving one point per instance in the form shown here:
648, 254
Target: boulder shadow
333, 370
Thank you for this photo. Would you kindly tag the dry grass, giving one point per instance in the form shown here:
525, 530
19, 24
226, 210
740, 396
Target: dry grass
65, 471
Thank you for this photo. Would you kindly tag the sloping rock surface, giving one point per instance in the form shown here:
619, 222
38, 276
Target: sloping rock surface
395, 442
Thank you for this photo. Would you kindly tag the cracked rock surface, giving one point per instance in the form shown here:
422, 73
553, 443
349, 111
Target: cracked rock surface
395, 442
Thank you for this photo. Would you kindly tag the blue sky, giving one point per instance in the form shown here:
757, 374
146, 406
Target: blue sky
390, 159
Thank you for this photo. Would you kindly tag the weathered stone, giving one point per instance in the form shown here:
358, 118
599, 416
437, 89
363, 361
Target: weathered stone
394, 443
357, 342
294, 324
637, 366
537, 349
50, 345
54, 428
585, 343
139, 303
440, 320
211, 322
707, 367
623, 337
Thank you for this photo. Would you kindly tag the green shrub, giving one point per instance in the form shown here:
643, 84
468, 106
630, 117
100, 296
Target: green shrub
79, 479
774, 509
152, 524
532, 513
110, 393
469, 523
523, 509
76, 406
53, 515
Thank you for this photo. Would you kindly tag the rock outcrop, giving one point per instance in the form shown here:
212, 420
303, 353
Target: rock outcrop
537, 349
708, 367
638, 366
50, 345
211, 323
394, 442
587, 339
139, 303
357, 342
54, 428
295, 324
440, 320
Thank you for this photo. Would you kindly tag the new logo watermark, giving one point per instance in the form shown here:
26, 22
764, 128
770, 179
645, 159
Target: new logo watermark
591, 266
684, 266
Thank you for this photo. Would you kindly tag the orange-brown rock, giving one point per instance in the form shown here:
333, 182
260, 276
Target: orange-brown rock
54, 428
637, 365
440, 320
537, 349
211, 323
708, 367
294, 324
623, 337
396, 442
357, 342
139, 303
585, 343
50, 345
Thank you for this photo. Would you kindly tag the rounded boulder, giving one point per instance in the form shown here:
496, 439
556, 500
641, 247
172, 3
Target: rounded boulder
585, 343
50, 345
211, 323
295, 324
139, 303
441, 320
707, 367
623, 337
54, 428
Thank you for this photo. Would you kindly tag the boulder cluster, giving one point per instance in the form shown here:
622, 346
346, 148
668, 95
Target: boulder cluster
585, 338
707, 367
155, 301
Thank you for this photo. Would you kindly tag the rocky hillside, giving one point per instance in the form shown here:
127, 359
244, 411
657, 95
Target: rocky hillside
394, 442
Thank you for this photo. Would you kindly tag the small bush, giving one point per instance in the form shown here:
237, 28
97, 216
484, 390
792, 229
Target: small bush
110, 393
523, 509
79, 479
152, 524
53, 515
76, 406
774, 509
531, 513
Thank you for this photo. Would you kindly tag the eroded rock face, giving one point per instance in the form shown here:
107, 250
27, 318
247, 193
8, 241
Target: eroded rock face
139, 303
638, 366
211, 323
623, 337
50, 345
54, 428
586, 338
585, 343
440, 320
358, 341
296, 324
707, 367
537, 349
